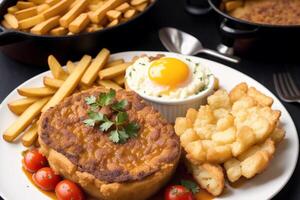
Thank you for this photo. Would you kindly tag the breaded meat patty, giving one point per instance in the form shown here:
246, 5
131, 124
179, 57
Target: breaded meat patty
133, 170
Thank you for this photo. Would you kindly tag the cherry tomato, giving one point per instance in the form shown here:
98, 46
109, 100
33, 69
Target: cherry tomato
46, 179
67, 190
178, 192
34, 160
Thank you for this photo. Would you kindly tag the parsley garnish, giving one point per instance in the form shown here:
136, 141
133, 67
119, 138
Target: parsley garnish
90, 100
190, 185
120, 106
105, 99
120, 129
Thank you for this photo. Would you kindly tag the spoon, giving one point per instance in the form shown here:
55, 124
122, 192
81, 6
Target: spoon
178, 41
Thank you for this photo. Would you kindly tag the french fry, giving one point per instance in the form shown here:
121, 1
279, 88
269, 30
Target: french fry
123, 20
20, 105
59, 31
74, 3
5, 24
93, 29
97, 64
11, 20
96, 1
231, 5
138, 2
36, 92
12, 9
73, 13
24, 120
95, 26
114, 62
56, 69
113, 14
46, 26
141, 7
26, 13
94, 7
109, 84
70, 83
30, 22
24, 4
113, 23
129, 13
104, 21
70, 67
99, 14
113, 72
41, 8
123, 7
52, 83
57, 9
30, 135
52, 2
83, 87
37, 2
79, 23
119, 79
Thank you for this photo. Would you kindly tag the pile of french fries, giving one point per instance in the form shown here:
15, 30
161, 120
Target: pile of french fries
68, 17
85, 74
230, 5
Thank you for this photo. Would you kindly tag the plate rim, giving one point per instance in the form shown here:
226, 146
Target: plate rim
120, 54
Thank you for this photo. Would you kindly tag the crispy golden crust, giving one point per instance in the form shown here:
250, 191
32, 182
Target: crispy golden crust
87, 156
277, 12
134, 190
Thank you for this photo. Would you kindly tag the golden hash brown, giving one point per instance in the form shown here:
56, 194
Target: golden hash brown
238, 129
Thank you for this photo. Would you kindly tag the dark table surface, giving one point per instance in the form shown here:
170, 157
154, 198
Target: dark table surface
259, 64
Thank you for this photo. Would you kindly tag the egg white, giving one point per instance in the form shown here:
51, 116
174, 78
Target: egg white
138, 80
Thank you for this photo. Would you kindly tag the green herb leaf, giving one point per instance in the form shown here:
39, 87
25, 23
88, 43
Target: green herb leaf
190, 185
122, 130
89, 122
132, 129
96, 116
114, 136
123, 136
105, 126
90, 100
105, 99
120, 106
121, 118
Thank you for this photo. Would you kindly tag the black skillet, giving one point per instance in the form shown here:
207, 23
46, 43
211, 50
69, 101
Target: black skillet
233, 29
34, 49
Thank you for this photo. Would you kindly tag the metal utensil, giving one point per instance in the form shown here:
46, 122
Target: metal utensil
178, 41
286, 87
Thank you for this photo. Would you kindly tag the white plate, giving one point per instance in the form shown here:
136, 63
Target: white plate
15, 186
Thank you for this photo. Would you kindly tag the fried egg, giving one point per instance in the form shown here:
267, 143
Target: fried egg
167, 77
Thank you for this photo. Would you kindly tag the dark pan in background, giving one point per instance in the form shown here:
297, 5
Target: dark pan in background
34, 49
248, 37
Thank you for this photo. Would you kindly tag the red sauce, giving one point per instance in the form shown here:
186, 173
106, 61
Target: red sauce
51, 195
181, 173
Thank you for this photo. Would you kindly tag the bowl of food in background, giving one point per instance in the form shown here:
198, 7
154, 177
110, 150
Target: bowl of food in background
171, 84
257, 26
31, 30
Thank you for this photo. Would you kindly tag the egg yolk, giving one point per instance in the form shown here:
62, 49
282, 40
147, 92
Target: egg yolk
169, 72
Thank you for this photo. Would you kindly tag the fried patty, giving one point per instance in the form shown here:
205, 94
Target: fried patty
90, 150
275, 12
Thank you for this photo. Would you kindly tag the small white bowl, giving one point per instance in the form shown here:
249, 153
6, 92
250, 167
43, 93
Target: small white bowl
173, 108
